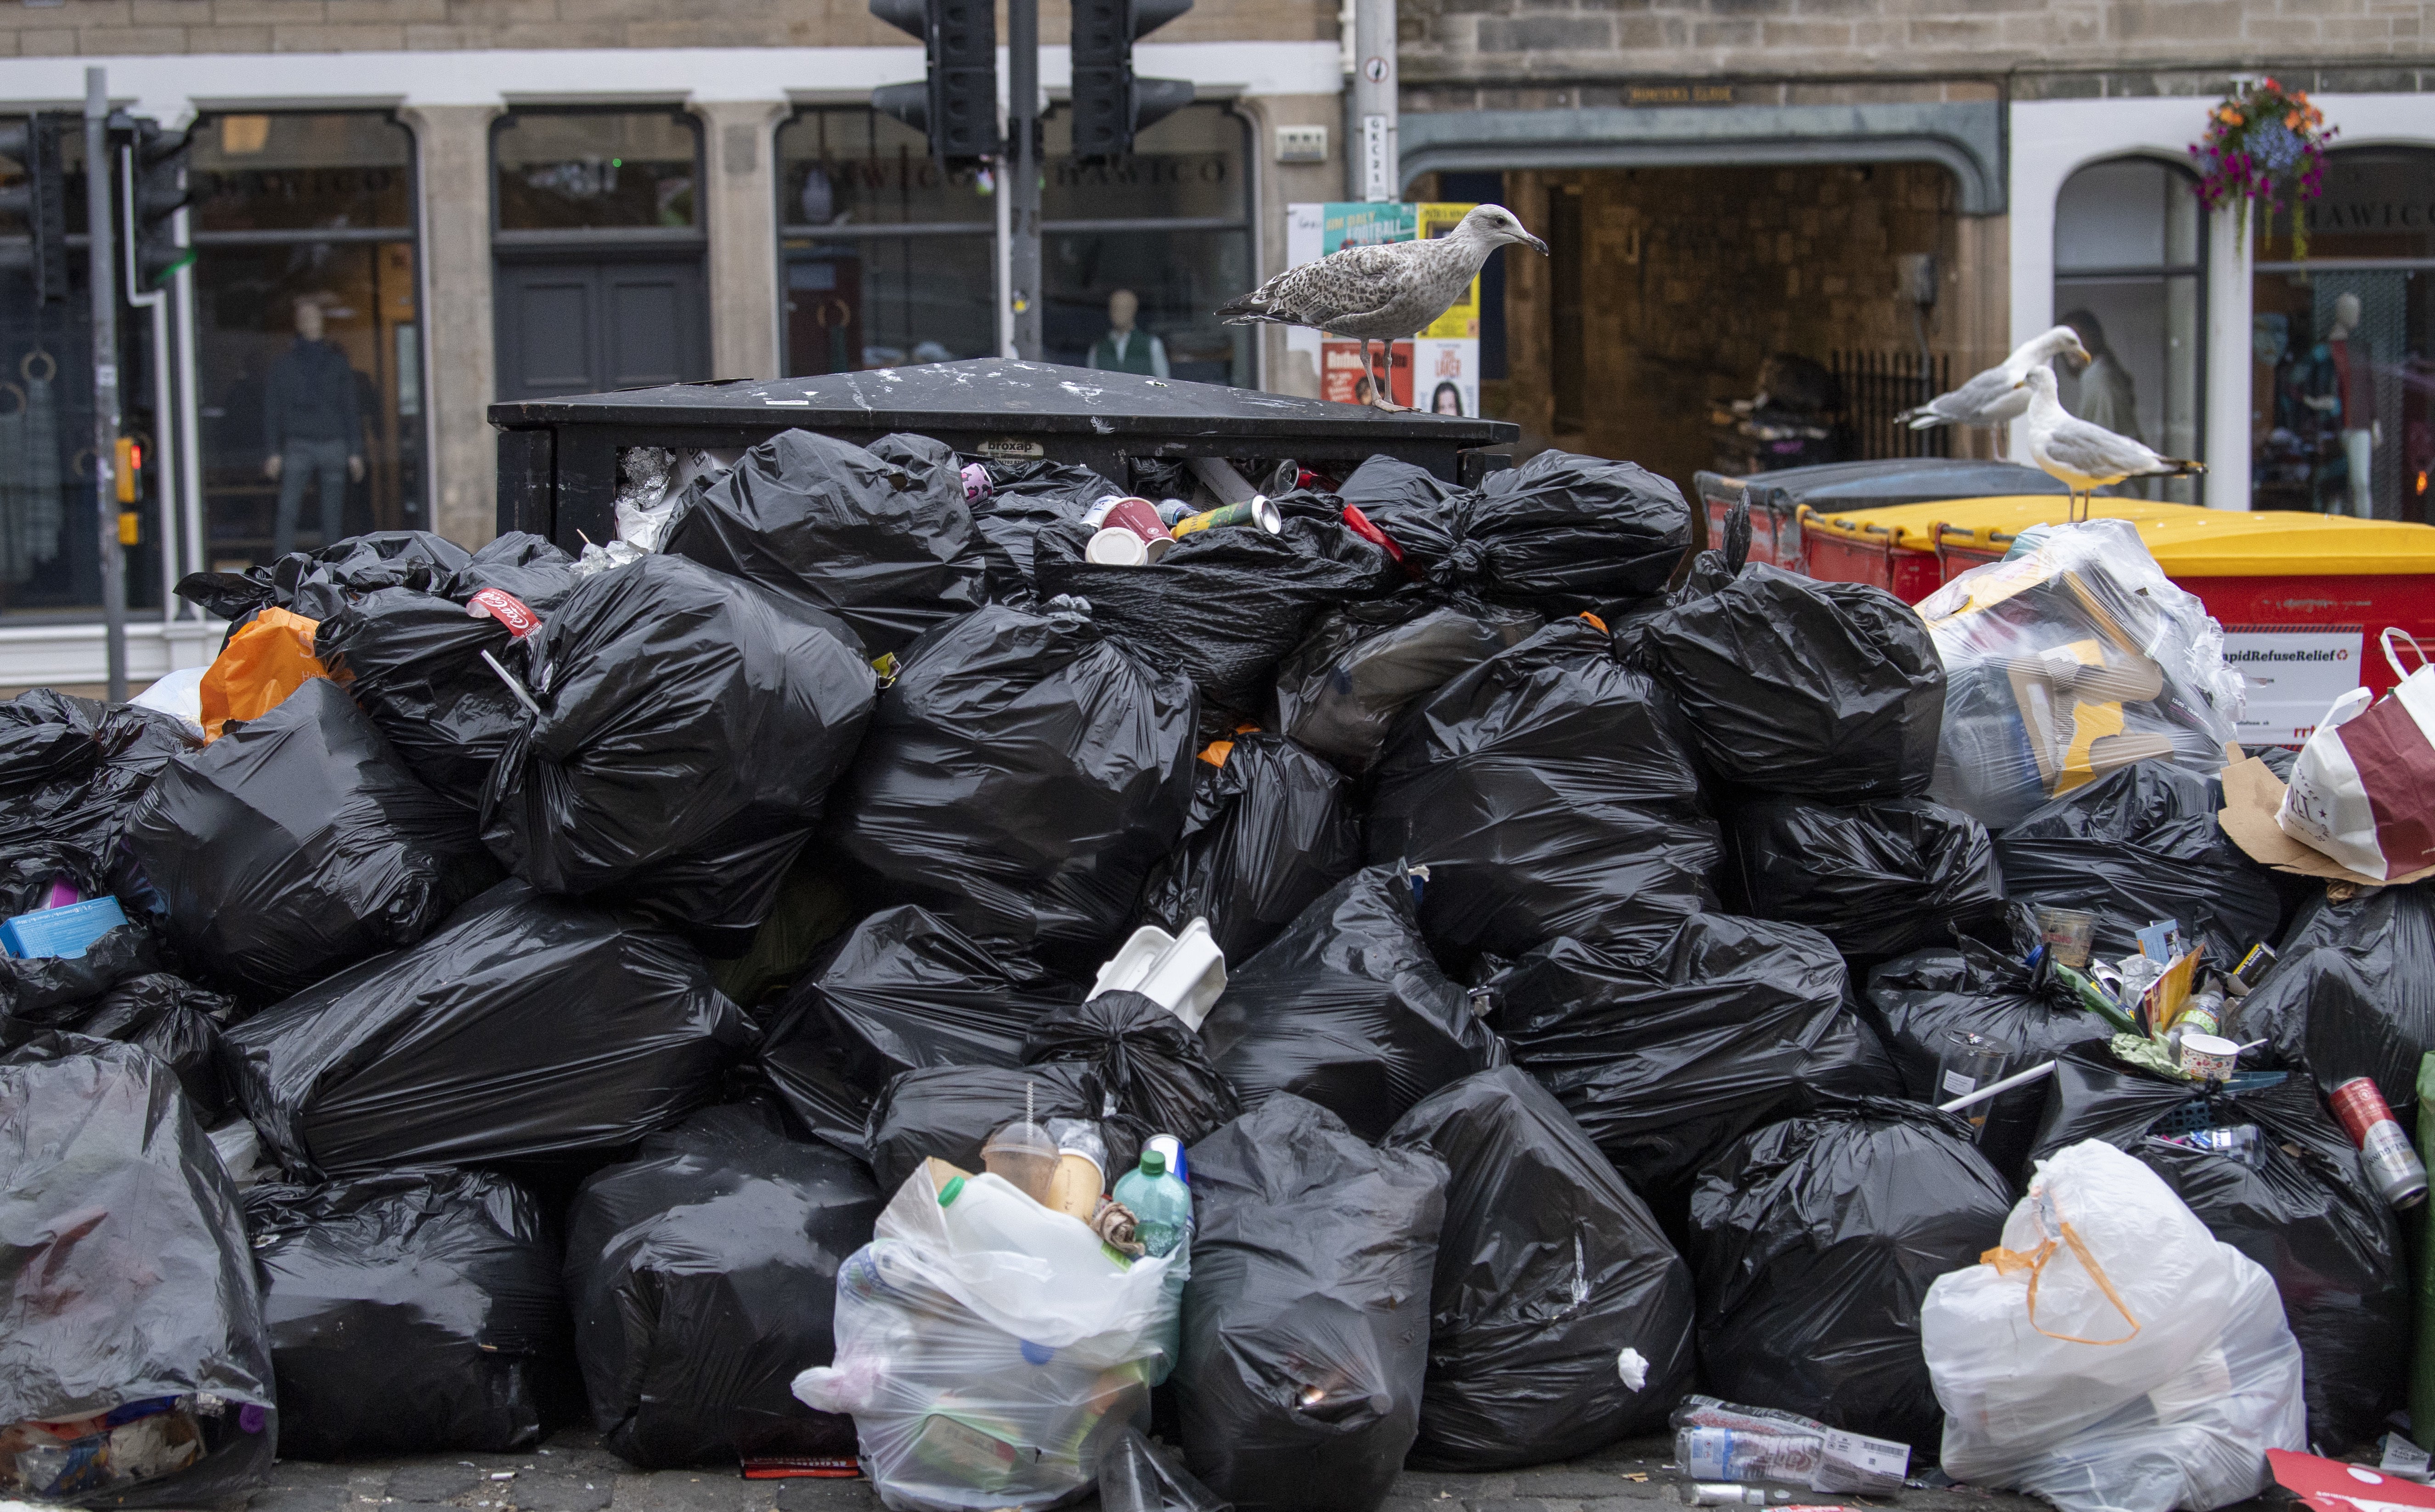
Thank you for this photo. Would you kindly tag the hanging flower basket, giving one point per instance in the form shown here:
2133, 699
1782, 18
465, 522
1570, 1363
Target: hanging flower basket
2262, 142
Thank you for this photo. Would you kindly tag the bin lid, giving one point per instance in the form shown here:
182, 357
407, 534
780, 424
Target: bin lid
1842, 487
2187, 540
1000, 394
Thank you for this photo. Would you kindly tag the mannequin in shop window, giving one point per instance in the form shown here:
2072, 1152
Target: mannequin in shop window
1124, 348
2107, 395
2352, 403
312, 428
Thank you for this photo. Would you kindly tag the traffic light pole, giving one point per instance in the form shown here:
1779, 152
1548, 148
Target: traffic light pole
101, 285
1022, 186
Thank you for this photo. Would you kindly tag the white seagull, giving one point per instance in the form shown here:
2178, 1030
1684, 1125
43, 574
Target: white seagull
1994, 397
1383, 292
2082, 456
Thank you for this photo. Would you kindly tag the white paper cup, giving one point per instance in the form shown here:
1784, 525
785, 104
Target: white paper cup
2207, 1058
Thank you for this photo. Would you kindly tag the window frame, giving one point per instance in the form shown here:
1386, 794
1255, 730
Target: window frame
693, 238
2162, 272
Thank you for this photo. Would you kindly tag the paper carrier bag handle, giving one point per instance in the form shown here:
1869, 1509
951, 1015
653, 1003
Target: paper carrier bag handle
2393, 632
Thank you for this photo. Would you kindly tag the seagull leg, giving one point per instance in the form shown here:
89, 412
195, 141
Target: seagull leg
1382, 391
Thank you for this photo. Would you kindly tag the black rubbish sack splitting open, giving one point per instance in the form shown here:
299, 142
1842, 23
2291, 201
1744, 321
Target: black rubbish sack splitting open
2303, 1210
1551, 791
2354, 994
412, 661
1348, 1009
1224, 605
703, 1277
1561, 1317
889, 550
129, 1290
1561, 534
2138, 845
1667, 1042
1831, 690
1340, 692
903, 989
1877, 879
1815, 1240
1021, 777
71, 772
529, 1028
689, 730
297, 844
1306, 1320
1271, 828
411, 1312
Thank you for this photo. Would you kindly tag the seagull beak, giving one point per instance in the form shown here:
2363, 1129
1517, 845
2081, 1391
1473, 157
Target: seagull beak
1537, 243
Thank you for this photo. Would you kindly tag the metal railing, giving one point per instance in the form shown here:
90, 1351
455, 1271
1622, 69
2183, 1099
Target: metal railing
1877, 386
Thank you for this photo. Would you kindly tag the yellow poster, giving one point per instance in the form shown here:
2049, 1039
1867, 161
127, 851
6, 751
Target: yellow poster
1461, 320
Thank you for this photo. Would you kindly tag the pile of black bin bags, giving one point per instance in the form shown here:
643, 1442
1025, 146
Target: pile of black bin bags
519, 1025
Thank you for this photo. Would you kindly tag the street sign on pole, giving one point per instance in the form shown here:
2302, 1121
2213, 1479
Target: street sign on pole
101, 286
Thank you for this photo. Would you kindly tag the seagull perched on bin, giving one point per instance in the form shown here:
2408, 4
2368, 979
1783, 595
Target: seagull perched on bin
1994, 397
1386, 291
2082, 456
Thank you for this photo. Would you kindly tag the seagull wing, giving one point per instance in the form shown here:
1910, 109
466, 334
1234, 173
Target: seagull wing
1966, 405
2093, 452
1343, 285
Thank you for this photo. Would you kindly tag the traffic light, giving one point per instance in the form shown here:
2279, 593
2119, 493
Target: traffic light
159, 167
956, 107
42, 201
1110, 104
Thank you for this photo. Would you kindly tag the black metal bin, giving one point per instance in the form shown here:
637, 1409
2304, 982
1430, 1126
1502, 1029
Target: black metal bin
558, 457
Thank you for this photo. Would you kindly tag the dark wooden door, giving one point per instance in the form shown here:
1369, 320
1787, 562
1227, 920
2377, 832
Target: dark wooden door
566, 327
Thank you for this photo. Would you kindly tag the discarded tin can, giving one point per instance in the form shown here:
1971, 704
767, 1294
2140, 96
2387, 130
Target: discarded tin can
1124, 513
1255, 510
976, 482
1115, 546
2384, 1149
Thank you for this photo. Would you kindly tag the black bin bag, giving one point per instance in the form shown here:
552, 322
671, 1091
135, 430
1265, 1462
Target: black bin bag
1816, 1240
1150, 1068
689, 732
129, 1290
1667, 1042
703, 1276
1551, 791
1271, 828
2138, 845
529, 1028
1022, 775
905, 988
1224, 605
2305, 1211
411, 1312
1560, 1316
2354, 993
412, 660
1306, 1320
889, 550
71, 772
1348, 1009
1830, 691
316, 583
1969, 987
1560, 533
1025, 498
116, 991
1877, 879
1340, 692
297, 844
950, 1111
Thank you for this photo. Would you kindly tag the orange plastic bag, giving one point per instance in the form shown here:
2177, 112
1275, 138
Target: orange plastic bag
269, 659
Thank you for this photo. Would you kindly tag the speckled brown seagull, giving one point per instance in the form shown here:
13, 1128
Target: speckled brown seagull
1384, 292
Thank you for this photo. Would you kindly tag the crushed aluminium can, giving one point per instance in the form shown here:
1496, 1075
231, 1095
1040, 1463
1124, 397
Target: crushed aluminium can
2385, 1152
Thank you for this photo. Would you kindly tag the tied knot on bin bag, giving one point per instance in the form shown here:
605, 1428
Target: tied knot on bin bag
2009, 1262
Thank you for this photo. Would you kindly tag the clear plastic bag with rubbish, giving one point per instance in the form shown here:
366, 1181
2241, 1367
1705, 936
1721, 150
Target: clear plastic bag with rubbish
992, 1350
2112, 1356
2073, 659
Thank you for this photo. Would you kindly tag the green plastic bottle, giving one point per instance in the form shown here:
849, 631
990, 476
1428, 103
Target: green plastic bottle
1160, 1202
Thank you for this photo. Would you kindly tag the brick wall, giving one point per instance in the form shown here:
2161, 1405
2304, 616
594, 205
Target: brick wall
1590, 40
124, 27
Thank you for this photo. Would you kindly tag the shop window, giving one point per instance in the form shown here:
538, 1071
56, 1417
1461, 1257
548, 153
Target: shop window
308, 333
2343, 344
888, 261
2128, 277
598, 170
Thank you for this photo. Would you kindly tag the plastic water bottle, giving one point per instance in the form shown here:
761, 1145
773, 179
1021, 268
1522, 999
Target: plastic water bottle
1160, 1202
1735, 1455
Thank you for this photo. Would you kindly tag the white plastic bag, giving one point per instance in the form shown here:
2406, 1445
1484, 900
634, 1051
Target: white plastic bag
2066, 662
989, 1349
2363, 789
2112, 1356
